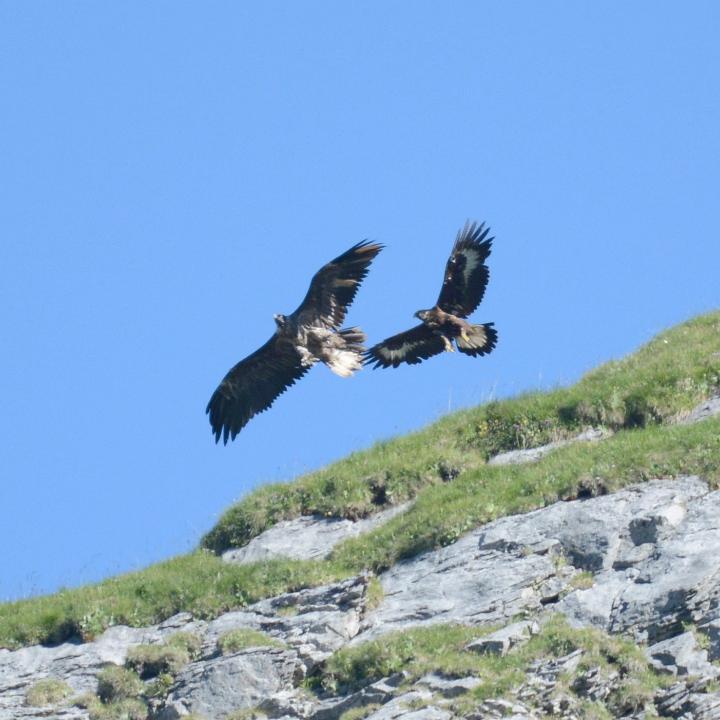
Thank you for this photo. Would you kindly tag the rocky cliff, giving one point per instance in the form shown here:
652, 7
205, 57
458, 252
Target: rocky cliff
604, 604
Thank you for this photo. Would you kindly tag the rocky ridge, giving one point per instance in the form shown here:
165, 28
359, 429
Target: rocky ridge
642, 563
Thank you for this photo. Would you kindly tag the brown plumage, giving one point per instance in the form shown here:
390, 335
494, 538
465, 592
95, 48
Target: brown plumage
311, 334
466, 277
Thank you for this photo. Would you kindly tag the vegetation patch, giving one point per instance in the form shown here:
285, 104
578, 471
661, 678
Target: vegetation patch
235, 640
128, 709
48, 691
442, 649
199, 583
168, 657
149, 661
374, 594
247, 714
358, 713
119, 683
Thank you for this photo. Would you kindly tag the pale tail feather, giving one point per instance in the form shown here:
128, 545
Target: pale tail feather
479, 340
344, 361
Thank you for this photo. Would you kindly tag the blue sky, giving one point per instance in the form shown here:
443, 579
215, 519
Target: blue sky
173, 173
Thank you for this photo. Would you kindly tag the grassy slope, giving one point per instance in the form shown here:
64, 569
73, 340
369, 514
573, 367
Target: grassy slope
667, 376
444, 466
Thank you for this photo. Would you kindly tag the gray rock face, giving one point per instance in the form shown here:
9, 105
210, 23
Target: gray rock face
644, 562
306, 538
487, 578
662, 569
707, 409
219, 686
680, 655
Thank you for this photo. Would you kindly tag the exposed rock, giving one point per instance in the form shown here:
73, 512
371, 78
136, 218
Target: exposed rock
689, 701
486, 578
448, 687
499, 708
673, 582
402, 707
378, 693
216, 687
706, 409
500, 641
307, 538
518, 457
680, 655
712, 630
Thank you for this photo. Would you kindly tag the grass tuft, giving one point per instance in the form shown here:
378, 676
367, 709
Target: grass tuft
117, 683
48, 691
235, 640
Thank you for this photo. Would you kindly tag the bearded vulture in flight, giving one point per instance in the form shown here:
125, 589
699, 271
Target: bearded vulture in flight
466, 277
310, 334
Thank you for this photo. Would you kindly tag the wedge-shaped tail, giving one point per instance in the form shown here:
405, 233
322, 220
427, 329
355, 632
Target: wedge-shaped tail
478, 340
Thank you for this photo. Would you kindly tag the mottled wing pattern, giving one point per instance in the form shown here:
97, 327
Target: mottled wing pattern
334, 286
466, 274
412, 346
252, 385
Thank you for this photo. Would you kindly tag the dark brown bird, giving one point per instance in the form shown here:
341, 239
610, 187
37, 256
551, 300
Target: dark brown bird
309, 335
464, 283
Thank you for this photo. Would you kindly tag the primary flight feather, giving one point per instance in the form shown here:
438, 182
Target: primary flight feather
466, 277
311, 334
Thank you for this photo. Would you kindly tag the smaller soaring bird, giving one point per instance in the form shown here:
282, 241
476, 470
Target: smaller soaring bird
464, 283
311, 334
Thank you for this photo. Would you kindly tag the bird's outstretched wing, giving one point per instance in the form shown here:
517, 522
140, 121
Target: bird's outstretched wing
466, 274
412, 346
334, 286
252, 385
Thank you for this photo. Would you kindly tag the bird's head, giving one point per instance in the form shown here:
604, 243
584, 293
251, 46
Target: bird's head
421, 314
280, 320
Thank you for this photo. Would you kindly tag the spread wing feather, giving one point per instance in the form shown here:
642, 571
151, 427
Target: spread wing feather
466, 274
412, 346
334, 286
252, 385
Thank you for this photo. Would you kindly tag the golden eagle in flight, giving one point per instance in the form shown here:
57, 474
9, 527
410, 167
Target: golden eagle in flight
311, 334
466, 277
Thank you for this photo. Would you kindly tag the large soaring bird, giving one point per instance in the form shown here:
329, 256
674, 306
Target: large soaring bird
311, 334
466, 277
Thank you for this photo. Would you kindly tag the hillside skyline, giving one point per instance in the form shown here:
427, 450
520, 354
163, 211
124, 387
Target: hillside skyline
173, 178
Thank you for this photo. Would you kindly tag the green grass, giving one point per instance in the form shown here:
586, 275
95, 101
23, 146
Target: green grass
164, 658
149, 661
442, 513
48, 691
199, 583
441, 649
664, 378
117, 683
442, 466
235, 640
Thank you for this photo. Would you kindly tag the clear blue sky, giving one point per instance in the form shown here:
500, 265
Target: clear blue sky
173, 173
